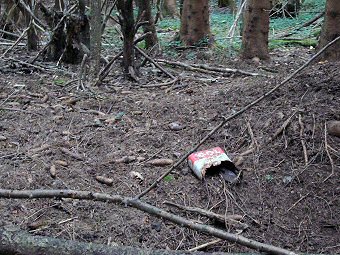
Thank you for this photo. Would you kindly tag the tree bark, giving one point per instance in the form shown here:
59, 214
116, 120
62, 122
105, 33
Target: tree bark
331, 30
256, 30
227, 3
169, 8
77, 36
32, 37
144, 8
127, 23
96, 34
195, 24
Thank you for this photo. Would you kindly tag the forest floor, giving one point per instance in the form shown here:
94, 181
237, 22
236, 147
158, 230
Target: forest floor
283, 200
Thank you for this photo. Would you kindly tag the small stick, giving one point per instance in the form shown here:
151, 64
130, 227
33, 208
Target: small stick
82, 73
9, 33
282, 128
302, 138
247, 107
299, 200
209, 214
32, 14
205, 245
329, 155
16, 42
106, 70
155, 63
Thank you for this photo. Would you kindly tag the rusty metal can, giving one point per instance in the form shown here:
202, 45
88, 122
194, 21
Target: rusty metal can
213, 160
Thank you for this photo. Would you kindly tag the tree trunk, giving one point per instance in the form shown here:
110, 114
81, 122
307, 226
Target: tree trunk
77, 36
195, 25
96, 34
58, 38
256, 30
144, 8
32, 37
169, 8
227, 3
127, 22
331, 30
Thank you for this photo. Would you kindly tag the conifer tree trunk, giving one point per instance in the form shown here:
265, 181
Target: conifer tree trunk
144, 8
227, 3
256, 29
127, 22
169, 8
331, 30
195, 24
96, 34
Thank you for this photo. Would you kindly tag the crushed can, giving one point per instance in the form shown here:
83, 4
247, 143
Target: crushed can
214, 161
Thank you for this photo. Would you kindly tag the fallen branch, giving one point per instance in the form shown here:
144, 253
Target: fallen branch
145, 207
82, 73
29, 11
232, 219
106, 70
206, 69
16, 42
14, 241
155, 63
247, 107
306, 24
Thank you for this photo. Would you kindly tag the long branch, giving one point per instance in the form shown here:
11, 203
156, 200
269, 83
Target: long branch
145, 207
233, 116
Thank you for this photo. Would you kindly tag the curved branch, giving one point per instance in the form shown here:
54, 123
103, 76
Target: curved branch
145, 207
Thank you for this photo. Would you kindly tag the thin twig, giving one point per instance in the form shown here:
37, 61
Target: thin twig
16, 42
155, 63
205, 245
282, 128
298, 201
140, 205
82, 73
247, 107
302, 138
209, 214
329, 155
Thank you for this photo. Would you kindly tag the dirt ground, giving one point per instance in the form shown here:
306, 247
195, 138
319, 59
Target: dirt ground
283, 200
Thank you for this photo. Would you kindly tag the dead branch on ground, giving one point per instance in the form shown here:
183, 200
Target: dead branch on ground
306, 24
14, 241
145, 207
230, 219
206, 68
155, 63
